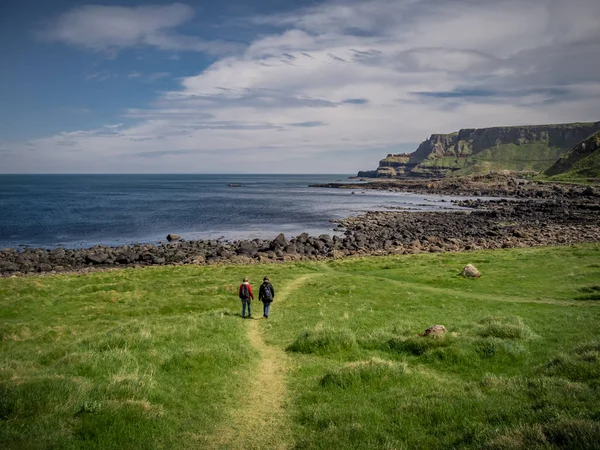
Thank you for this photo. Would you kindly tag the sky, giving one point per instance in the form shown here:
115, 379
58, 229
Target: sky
280, 86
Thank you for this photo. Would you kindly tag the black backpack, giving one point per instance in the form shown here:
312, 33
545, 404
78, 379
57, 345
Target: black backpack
268, 294
244, 292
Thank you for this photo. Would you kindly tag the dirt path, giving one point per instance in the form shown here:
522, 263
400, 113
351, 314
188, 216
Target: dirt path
261, 420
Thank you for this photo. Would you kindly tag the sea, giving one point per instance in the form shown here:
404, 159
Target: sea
78, 211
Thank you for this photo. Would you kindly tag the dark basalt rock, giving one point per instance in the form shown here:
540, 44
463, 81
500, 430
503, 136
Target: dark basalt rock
96, 258
279, 241
247, 248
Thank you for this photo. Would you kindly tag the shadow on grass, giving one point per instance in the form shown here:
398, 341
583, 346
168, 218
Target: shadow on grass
589, 293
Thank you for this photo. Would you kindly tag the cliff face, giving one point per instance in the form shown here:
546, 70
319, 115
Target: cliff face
582, 161
391, 166
478, 151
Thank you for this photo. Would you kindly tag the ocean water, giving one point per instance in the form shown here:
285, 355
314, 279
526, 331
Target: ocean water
83, 210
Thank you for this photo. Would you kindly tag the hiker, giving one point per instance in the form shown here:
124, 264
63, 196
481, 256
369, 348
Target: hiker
266, 294
245, 293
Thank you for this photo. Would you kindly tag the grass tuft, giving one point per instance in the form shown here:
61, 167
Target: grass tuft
325, 340
504, 328
570, 434
495, 347
373, 373
589, 293
582, 364
419, 345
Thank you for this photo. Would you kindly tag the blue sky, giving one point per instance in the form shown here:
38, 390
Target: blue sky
280, 86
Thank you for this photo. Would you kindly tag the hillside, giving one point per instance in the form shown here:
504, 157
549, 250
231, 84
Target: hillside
480, 151
583, 161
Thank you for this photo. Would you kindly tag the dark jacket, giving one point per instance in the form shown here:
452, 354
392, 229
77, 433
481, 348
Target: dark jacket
261, 291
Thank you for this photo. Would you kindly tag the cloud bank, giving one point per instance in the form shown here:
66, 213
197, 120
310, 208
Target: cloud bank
113, 28
338, 85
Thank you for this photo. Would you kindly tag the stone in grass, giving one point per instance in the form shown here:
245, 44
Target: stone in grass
173, 237
470, 271
434, 330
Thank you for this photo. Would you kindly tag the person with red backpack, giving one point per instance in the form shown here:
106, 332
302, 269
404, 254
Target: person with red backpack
245, 294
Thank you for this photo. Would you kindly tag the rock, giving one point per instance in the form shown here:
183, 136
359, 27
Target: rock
96, 258
44, 268
146, 257
290, 249
126, 258
302, 238
434, 330
241, 259
279, 241
6, 266
198, 259
470, 271
588, 191
326, 239
416, 244
319, 245
247, 248
57, 254
173, 237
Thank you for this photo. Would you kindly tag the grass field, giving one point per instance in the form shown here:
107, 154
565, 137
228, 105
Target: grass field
159, 358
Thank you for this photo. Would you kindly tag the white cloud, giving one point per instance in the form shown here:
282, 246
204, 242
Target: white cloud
343, 84
112, 28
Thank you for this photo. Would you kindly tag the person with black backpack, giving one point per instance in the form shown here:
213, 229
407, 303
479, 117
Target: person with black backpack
266, 294
245, 294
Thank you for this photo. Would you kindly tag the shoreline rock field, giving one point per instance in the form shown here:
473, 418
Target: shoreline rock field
536, 214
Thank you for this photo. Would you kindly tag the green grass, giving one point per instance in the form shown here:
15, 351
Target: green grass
535, 156
159, 357
588, 167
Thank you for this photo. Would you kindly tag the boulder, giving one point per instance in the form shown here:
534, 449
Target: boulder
198, 259
96, 258
326, 239
434, 330
126, 258
173, 237
470, 271
247, 248
279, 241
57, 254
302, 238
146, 257
290, 249
416, 244
588, 191
44, 267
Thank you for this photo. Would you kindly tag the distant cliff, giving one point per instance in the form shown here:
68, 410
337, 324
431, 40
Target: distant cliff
391, 166
480, 151
582, 161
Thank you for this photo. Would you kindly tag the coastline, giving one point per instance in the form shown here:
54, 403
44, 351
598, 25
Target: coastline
537, 214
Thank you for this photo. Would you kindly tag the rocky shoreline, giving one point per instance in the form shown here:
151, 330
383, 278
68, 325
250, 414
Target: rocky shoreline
543, 214
491, 185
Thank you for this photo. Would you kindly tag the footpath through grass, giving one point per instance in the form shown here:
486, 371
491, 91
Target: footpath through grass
160, 357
